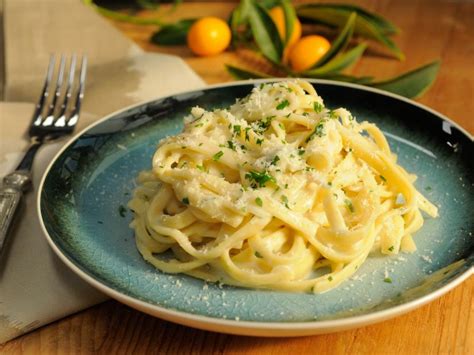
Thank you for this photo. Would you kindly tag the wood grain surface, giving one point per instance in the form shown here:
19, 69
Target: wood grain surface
431, 29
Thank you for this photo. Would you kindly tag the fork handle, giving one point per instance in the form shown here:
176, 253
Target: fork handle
11, 191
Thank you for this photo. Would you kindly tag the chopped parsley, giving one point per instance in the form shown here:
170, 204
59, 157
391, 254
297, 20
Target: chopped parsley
262, 125
391, 248
283, 104
387, 280
122, 210
383, 178
349, 205
247, 137
231, 145
218, 155
330, 278
200, 167
317, 107
284, 199
281, 126
259, 141
275, 159
318, 131
301, 151
237, 129
332, 114
258, 255
259, 179
185, 201
259, 201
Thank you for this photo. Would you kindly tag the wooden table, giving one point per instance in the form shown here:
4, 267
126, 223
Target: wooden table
441, 29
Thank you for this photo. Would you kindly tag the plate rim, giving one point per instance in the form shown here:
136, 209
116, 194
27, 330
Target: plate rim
233, 326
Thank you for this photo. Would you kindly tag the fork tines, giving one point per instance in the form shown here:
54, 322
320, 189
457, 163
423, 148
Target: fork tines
61, 110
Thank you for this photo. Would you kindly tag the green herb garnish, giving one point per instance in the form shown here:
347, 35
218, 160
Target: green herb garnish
387, 280
333, 115
391, 248
185, 201
259, 179
282, 105
263, 125
383, 178
231, 145
258, 255
317, 107
284, 199
275, 160
349, 205
218, 155
318, 131
247, 137
259, 201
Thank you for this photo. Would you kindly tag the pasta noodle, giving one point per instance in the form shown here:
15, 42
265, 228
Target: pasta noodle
277, 192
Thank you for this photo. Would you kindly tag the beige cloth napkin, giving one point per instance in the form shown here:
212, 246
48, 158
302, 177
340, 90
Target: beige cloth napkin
35, 287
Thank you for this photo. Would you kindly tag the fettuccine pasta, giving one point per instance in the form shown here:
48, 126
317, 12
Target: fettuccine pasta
277, 192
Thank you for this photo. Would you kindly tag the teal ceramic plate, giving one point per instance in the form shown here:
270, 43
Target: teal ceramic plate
91, 179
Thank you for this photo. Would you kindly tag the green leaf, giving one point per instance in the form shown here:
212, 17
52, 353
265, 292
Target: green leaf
265, 32
174, 34
290, 18
124, 17
239, 15
239, 18
412, 84
242, 74
339, 43
340, 62
385, 26
269, 4
365, 26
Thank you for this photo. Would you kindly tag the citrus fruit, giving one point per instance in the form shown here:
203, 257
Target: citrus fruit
278, 17
208, 36
307, 51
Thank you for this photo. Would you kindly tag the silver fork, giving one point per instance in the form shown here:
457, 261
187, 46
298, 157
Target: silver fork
52, 118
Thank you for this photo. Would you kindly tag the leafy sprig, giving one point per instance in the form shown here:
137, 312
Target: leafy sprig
252, 27
351, 20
